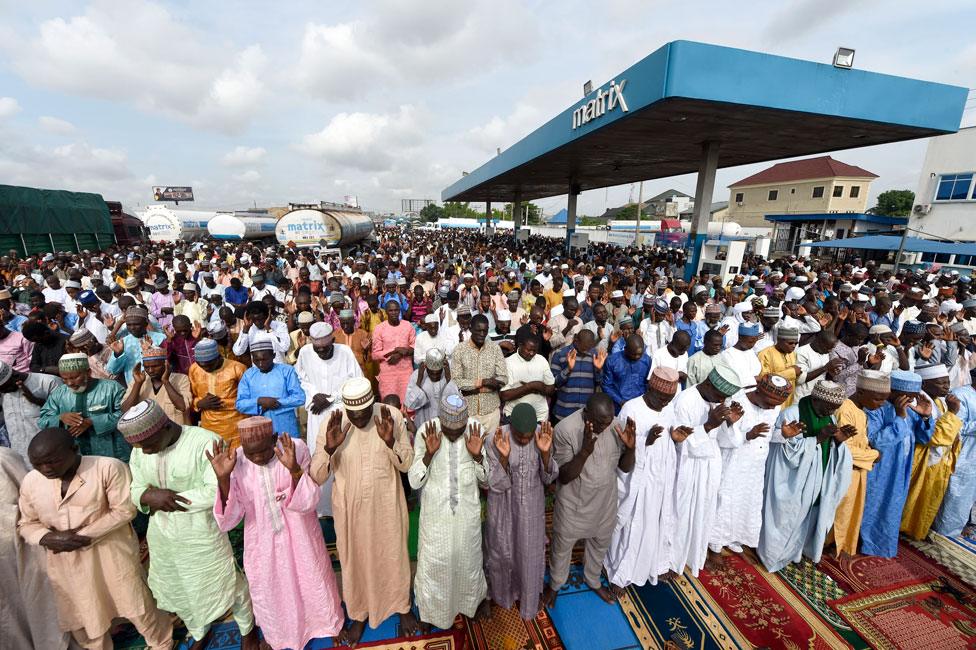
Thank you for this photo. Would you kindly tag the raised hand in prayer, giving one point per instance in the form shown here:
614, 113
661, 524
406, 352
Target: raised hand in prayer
209, 402
680, 434
367, 342
475, 440
320, 402
792, 429
223, 459
589, 438
653, 434
724, 329
627, 433
926, 350
923, 407
64, 541
845, 432
167, 370
735, 412
524, 319
757, 431
285, 453
163, 500
503, 445
571, 359
384, 426
432, 440
717, 415
335, 433
543, 438
599, 359
952, 403
117, 346
901, 404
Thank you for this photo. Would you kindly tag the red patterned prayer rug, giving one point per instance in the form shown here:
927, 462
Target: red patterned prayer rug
934, 614
443, 640
864, 572
506, 630
764, 609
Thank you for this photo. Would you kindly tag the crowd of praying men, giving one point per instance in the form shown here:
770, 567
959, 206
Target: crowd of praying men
165, 395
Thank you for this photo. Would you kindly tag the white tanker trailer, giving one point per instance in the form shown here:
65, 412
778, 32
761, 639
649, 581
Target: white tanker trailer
168, 225
309, 226
241, 225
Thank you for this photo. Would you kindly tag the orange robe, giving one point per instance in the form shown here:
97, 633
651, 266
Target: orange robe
850, 510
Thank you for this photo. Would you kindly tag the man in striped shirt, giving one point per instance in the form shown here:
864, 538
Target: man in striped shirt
578, 372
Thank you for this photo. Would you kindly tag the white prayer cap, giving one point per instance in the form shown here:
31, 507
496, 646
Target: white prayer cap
949, 306
617, 293
320, 330
936, 371
556, 311
503, 315
795, 293
431, 318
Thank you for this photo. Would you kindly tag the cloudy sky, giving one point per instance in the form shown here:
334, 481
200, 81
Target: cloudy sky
256, 102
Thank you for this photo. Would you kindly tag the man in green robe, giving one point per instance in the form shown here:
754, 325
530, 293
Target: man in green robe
88, 408
191, 570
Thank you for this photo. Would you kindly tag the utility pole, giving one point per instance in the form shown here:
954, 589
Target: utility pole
640, 200
901, 247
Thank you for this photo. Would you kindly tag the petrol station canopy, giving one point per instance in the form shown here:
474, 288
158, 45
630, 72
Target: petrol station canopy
652, 120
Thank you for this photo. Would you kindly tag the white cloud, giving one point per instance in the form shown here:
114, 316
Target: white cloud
55, 125
241, 156
367, 141
500, 132
8, 107
250, 176
138, 51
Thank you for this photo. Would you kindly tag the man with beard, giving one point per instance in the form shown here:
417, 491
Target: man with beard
213, 385
323, 367
127, 350
155, 380
22, 395
271, 389
564, 326
625, 373
48, 346
366, 447
88, 408
807, 474
639, 547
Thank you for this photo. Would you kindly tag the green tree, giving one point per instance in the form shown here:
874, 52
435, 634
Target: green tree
534, 213
629, 213
894, 203
431, 213
457, 210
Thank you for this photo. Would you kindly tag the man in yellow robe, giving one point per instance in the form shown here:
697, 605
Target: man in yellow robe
873, 388
936, 451
780, 359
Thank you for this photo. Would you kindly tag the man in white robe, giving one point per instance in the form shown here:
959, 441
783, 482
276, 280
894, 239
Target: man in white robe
738, 518
645, 513
323, 366
450, 466
742, 357
806, 477
428, 385
702, 409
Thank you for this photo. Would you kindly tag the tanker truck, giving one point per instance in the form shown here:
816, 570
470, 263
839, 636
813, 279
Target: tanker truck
242, 225
310, 225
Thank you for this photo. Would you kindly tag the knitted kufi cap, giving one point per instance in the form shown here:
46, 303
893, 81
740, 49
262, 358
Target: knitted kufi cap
434, 359
774, 386
6, 372
772, 312
788, 334
750, 329
306, 317
136, 311
72, 284
346, 313
930, 308
81, 337
161, 282
453, 411
357, 394
131, 283
879, 329
431, 318
617, 293
935, 371
154, 354
206, 350
626, 320
969, 304
73, 362
503, 315
142, 421
523, 419
958, 327
830, 392
724, 379
189, 286
914, 327
262, 343
255, 429
662, 307
335, 297
513, 295
320, 331
874, 381
713, 309
217, 329
905, 381
463, 310
665, 380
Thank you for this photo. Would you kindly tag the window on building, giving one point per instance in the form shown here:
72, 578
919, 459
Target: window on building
773, 195
739, 196
818, 192
954, 187
855, 191
838, 191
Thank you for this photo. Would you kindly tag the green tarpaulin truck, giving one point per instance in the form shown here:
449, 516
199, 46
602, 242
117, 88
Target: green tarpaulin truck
39, 221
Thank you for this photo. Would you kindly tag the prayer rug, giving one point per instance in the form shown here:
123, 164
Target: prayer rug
950, 553
441, 640
934, 614
506, 630
866, 573
817, 589
763, 608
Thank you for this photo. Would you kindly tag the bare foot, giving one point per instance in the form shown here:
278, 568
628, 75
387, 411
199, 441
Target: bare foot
251, 640
202, 643
265, 646
548, 597
425, 628
605, 594
484, 611
618, 592
714, 561
351, 634
409, 624
667, 577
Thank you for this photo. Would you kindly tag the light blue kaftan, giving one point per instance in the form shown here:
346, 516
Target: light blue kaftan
958, 501
281, 383
132, 354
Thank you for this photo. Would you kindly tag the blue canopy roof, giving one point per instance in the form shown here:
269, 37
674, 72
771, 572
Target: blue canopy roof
559, 218
892, 242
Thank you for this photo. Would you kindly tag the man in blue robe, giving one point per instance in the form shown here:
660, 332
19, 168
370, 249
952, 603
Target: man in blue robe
271, 389
891, 430
959, 497
625, 373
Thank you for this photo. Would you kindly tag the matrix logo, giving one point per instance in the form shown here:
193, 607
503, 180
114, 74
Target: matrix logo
304, 226
604, 102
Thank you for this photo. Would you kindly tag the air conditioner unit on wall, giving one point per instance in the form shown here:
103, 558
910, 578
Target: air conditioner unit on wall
922, 208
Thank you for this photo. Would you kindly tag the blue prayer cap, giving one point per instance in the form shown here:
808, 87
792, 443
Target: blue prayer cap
661, 307
206, 350
914, 327
88, 298
750, 329
905, 381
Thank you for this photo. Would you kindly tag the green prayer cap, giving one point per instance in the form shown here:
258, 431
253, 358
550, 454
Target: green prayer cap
523, 419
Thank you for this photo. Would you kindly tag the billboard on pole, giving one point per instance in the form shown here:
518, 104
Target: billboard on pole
172, 193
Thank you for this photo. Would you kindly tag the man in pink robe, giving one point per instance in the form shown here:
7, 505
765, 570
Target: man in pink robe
293, 587
393, 342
